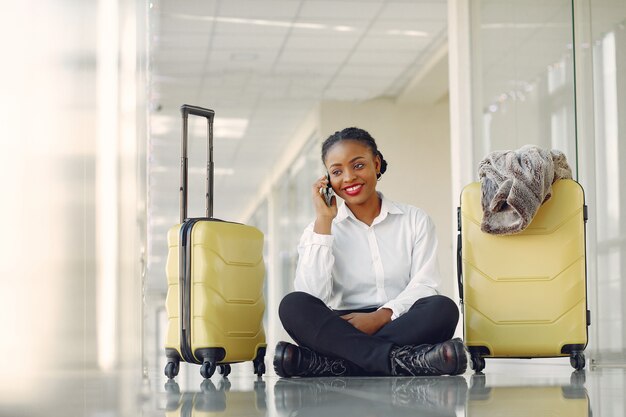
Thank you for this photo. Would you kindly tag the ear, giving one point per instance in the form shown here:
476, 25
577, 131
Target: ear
377, 163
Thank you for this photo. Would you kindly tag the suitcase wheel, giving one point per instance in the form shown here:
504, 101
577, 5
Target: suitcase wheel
207, 369
171, 370
577, 360
224, 370
259, 362
478, 363
259, 367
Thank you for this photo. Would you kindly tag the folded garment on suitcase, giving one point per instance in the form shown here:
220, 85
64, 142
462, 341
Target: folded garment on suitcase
515, 183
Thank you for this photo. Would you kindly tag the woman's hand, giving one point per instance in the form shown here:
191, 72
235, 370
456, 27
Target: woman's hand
369, 323
324, 214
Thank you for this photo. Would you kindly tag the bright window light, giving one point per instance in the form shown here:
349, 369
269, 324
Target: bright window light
106, 182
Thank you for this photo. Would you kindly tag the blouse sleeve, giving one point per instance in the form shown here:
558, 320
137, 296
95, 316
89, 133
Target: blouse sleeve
425, 276
315, 263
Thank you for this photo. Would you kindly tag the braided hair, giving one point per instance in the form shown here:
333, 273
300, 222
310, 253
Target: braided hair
358, 135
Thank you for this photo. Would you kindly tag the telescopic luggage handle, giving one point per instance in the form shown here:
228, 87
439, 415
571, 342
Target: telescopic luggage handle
186, 110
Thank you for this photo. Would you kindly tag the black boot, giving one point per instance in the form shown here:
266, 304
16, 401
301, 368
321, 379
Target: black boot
447, 358
291, 360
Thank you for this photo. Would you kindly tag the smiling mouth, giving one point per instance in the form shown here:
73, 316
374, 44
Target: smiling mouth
353, 190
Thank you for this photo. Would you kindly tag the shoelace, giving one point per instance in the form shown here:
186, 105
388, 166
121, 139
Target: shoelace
321, 365
417, 360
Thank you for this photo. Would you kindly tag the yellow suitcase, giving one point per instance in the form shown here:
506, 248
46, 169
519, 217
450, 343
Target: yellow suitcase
524, 295
215, 273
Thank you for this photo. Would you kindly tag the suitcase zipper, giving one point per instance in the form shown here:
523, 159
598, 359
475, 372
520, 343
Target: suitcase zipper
185, 285
185, 291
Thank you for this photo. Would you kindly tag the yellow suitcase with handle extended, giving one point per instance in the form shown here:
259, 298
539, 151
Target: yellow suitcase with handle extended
525, 295
215, 273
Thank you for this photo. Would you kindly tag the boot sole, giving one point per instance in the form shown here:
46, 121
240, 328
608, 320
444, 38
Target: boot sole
278, 360
459, 350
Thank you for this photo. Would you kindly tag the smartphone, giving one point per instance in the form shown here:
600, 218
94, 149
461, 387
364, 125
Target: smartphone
327, 192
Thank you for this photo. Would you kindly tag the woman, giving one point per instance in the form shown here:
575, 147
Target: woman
366, 300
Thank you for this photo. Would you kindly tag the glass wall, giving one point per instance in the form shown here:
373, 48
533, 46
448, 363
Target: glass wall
297, 212
293, 211
523, 76
260, 220
608, 43
71, 153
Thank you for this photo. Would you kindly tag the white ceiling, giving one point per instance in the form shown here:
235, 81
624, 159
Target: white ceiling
263, 65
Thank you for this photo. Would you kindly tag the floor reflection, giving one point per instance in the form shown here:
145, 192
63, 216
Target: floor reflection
370, 396
213, 400
537, 400
382, 397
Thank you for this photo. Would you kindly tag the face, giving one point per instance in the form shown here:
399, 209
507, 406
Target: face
353, 168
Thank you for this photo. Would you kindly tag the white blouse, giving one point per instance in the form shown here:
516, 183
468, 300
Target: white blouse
390, 264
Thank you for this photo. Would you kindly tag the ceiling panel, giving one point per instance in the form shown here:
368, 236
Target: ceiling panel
267, 64
380, 70
180, 23
313, 56
251, 27
191, 7
183, 40
417, 27
303, 72
255, 9
179, 69
266, 43
343, 41
363, 57
329, 9
395, 43
416, 10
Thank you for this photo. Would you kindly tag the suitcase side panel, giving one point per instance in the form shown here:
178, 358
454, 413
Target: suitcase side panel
227, 295
525, 294
172, 301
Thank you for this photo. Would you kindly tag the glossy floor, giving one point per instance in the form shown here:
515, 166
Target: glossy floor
508, 388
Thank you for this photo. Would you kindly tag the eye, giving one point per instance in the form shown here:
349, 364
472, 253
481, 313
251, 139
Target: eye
359, 166
336, 172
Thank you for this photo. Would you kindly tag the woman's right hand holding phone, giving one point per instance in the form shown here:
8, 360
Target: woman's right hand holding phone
324, 213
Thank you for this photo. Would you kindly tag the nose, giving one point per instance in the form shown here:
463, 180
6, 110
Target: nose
348, 175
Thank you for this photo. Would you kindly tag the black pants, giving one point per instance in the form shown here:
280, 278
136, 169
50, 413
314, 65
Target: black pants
312, 324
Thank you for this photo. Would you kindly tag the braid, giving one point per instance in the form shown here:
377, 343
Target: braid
358, 135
